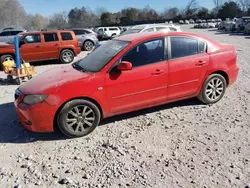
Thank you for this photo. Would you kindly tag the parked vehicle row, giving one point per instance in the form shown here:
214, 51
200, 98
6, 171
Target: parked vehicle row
236, 25
144, 28
210, 23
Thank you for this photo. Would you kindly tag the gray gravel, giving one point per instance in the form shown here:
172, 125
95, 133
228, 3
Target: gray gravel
184, 144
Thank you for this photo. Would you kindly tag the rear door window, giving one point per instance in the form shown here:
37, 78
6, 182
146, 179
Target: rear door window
86, 31
183, 46
79, 32
66, 36
50, 37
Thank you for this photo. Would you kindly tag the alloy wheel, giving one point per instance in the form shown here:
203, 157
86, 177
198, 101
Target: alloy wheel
67, 57
88, 45
214, 89
80, 118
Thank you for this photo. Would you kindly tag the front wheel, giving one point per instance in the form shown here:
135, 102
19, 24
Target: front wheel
78, 118
213, 89
67, 56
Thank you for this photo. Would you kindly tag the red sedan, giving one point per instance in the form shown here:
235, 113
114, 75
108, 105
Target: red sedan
125, 74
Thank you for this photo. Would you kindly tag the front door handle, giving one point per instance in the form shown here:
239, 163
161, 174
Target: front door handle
157, 72
37, 46
56, 44
200, 63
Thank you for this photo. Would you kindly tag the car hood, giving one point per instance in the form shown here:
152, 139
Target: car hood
50, 81
5, 45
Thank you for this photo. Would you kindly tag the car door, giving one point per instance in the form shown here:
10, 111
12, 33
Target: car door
31, 48
145, 84
188, 63
51, 45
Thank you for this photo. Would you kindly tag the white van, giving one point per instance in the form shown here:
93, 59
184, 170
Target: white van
110, 31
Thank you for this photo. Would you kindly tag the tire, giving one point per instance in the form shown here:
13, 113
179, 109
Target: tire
76, 119
211, 95
67, 56
113, 35
88, 45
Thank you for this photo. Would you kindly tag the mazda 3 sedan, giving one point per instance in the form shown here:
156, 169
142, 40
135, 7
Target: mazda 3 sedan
128, 73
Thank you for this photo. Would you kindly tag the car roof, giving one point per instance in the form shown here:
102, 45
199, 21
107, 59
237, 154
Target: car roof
11, 30
148, 35
50, 31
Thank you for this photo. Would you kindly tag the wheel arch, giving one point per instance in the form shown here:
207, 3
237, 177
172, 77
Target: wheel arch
87, 41
223, 73
55, 125
68, 49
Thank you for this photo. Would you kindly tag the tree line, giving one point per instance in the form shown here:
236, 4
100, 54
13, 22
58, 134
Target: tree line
12, 13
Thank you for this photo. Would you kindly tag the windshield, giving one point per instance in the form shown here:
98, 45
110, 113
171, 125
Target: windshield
100, 57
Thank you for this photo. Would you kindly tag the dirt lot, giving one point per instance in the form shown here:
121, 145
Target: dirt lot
185, 144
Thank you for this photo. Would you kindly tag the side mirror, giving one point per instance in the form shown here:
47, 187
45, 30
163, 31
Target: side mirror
124, 66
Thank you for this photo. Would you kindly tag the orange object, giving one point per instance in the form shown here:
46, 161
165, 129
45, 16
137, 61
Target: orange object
9, 67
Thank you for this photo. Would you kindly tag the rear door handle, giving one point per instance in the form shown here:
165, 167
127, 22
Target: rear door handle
56, 44
157, 72
200, 63
37, 46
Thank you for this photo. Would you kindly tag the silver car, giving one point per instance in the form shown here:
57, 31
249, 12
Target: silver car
87, 38
7, 35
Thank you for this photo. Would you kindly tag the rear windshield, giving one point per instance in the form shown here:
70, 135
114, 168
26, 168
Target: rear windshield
66, 36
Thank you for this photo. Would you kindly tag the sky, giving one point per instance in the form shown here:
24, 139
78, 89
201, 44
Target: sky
49, 7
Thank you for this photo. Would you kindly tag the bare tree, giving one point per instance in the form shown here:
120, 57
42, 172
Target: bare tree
36, 22
244, 4
191, 8
192, 5
59, 21
218, 4
12, 13
99, 11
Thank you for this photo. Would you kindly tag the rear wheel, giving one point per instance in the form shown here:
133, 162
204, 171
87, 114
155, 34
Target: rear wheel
88, 45
78, 118
67, 56
213, 89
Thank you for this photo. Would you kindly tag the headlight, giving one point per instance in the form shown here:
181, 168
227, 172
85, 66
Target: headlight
34, 99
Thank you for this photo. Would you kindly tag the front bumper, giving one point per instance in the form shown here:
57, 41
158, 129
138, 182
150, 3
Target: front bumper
36, 118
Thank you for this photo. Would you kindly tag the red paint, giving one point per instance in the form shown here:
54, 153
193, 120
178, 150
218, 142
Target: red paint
129, 90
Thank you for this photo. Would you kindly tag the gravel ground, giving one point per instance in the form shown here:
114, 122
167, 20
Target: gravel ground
184, 144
